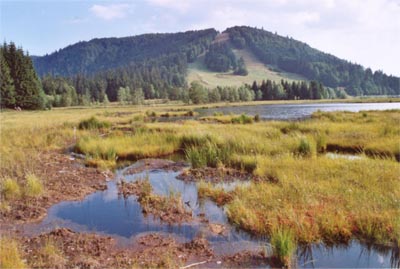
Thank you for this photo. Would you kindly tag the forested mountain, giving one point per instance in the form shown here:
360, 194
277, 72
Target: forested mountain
101, 54
297, 57
156, 66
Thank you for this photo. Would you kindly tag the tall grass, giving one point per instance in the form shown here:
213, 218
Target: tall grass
93, 123
283, 245
33, 187
10, 256
10, 189
210, 154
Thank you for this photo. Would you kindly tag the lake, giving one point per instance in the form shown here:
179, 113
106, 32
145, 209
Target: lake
296, 111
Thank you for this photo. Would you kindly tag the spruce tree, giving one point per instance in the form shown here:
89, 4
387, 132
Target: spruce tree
7, 90
28, 90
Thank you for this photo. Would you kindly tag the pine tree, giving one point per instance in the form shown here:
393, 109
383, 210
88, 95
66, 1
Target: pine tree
7, 90
28, 90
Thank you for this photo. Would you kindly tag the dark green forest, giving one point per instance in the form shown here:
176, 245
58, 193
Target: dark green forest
19, 84
297, 57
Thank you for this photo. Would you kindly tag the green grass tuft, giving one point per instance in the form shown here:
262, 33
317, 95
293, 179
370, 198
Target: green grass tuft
283, 245
33, 187
10, 189
93, 123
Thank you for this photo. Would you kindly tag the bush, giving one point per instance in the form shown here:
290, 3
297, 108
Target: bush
257, 118
93, 123
10, 189
34, 187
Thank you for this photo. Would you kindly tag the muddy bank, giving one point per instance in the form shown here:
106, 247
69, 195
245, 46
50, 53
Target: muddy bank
64, 178
64, 248
169, 209
215, 175
154, 164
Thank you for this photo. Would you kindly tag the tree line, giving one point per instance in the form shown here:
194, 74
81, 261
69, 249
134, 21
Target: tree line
266, 90
20, 86
297, 57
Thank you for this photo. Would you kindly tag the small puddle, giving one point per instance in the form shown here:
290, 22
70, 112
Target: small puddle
331, 155
108, 213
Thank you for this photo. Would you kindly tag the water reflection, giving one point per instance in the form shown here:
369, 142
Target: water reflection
106, 212
352, 255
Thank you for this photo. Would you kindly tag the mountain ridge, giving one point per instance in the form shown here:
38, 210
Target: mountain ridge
100, 55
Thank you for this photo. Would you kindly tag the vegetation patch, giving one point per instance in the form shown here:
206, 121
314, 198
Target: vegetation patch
92, 124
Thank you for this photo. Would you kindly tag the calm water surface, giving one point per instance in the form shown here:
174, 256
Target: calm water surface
107, 213
297, 111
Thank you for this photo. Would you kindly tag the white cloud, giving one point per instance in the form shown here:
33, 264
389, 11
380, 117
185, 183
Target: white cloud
110, 12
179, 5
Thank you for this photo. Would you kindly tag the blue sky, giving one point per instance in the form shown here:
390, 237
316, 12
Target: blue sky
362, 31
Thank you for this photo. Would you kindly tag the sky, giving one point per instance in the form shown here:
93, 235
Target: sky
361, 31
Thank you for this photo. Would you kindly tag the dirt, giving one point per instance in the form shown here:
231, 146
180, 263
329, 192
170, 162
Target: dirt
169, 209
64, 178
218, 229
154, 164
215, 175
247, 259
127, 189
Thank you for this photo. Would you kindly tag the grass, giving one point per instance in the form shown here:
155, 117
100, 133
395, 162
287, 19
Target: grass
10, 189
257, 72
50, 256
33, 187
166, 207
93, 123
283, 245
216, 194
10, 256
315, 197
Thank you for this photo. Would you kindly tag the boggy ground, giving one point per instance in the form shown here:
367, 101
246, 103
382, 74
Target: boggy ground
67, 179
310, 195
64, 248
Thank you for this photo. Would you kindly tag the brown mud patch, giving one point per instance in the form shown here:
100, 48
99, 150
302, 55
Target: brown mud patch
215, 175
64, 248
169, 209
154, 164
64, 179
247, 259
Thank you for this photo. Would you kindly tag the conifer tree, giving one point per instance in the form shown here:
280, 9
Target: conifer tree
7, 90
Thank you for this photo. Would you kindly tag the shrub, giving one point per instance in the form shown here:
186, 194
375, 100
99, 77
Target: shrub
34, 187
93, 123
257, 118
10, 189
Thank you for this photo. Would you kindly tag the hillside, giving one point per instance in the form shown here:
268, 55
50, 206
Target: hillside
108, 53
257, 71
297, 57
163, 64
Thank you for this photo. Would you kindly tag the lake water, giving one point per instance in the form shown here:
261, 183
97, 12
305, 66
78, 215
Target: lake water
108, 213
297, 111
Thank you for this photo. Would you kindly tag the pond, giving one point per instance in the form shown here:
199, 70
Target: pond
106, 212
296, 111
